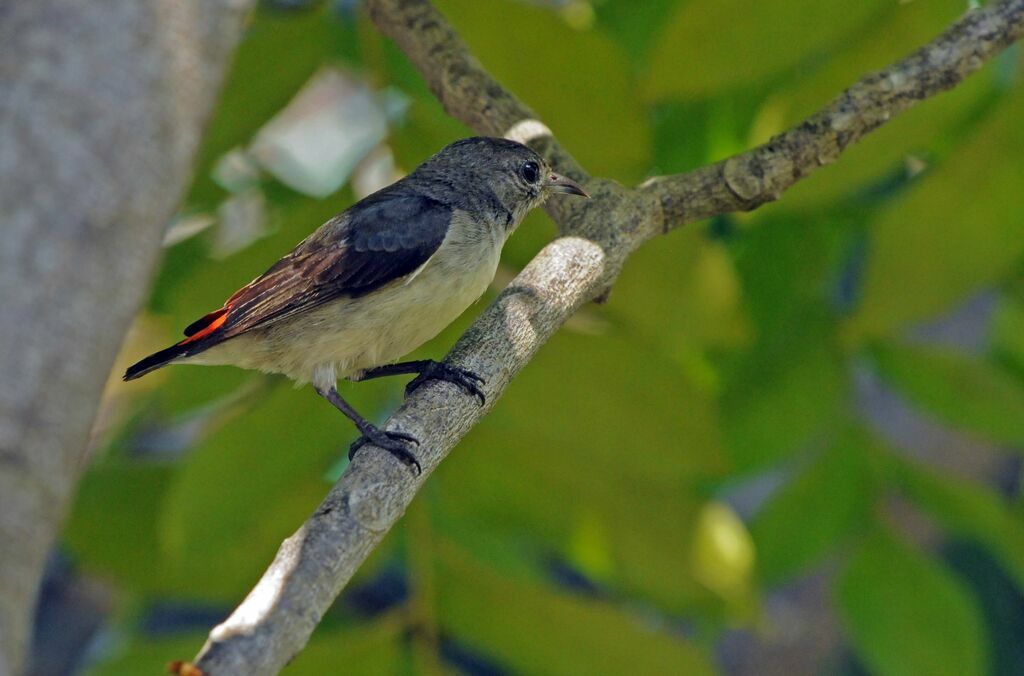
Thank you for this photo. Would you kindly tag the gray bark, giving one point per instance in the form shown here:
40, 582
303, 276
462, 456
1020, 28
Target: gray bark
102, 104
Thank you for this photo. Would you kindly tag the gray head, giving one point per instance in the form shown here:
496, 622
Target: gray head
496, 176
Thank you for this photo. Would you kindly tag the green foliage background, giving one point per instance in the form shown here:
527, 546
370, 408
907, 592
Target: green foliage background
599, 520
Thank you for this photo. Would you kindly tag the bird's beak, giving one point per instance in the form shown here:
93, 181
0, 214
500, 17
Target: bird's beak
559, 183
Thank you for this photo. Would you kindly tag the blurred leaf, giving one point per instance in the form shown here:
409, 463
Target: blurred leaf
787, 268
1008, 334
777, 406
814, 512
969, 510
247, 487
926, 249
691, 133
590, 548
616, 399
148, 656
1000, 600
374, 647
565, 76
908, 616
110, 530
682, 293
723, 556
426, 127
610, 442
710, 46
791, 383
538, 629
961, 390
927, 131
634, 24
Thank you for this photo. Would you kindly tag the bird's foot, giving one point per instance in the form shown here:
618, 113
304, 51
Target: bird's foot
395, 443
468, 381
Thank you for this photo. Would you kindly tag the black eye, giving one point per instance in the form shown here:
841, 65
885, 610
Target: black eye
530, 172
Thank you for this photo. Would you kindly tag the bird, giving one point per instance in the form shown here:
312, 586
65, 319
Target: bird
378, 280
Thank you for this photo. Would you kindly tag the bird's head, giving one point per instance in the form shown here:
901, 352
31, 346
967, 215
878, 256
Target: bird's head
483, 168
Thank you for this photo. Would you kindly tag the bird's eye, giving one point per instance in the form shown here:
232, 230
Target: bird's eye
530, 172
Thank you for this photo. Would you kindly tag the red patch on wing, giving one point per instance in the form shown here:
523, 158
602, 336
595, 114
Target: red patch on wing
217, 319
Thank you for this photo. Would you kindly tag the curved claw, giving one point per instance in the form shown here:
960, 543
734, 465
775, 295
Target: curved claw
392, 442
465, 379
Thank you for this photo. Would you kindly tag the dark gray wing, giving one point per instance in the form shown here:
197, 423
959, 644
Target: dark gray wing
378, 240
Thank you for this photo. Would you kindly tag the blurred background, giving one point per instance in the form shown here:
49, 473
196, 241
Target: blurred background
788, 444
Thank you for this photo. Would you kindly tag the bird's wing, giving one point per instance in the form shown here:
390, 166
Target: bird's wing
383, 238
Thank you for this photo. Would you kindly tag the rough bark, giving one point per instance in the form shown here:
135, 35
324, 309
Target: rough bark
102, 107
275, 620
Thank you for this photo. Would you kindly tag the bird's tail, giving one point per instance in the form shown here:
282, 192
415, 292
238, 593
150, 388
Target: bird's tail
156, 360
202, 334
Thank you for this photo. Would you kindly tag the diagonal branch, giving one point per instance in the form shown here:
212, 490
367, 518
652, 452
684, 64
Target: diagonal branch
276, 619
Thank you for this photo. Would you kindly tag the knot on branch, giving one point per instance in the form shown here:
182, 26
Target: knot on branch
753, 178
744, 176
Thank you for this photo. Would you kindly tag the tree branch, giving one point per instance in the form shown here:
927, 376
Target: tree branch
276, 619
748, 180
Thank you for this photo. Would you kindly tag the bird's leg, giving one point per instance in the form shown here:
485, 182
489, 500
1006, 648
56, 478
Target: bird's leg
428, 369
392, 442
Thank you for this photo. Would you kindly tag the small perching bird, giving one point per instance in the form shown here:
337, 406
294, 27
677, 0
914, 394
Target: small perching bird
378, 280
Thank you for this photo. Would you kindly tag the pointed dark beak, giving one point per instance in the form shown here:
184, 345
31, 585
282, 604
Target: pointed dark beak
559, 183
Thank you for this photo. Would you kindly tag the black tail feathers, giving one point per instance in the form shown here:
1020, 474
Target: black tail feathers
201, 335
156, 360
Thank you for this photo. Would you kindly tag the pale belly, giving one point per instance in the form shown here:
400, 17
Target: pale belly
348, 336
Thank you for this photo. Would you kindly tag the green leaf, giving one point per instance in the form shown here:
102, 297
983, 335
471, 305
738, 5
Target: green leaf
682, 293
711, 46
815, 512
111, 528
148, 656
959, 228
926, 132
1008, 334
958, 389
906, 615
791, 384
536, 628
780, 400
969, 510
634, 24
246, 487
374, 647
582, 421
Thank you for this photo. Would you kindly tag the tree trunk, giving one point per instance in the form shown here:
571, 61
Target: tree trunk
101, 111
